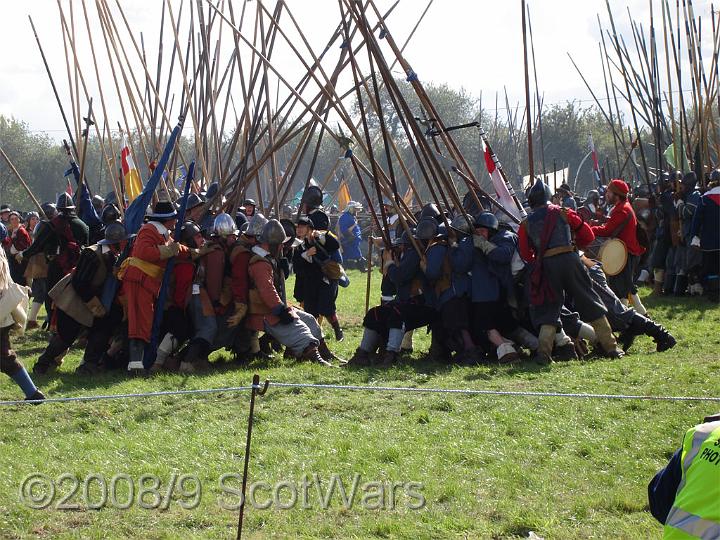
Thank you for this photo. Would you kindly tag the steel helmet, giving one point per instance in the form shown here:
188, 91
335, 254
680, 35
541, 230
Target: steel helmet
49, 210
65, 202
462, 224
273, 233
256, 225
487, 220
188, 232
114, 234
224, 225
320, 220
193, 201
539, 194
110, 213
427, 229
430, 210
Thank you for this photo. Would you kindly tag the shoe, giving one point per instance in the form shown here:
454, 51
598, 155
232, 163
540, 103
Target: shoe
311, 353
339, 334
665, 343
135, 367
361, 358
507, 354
38, 396
542, 358
190, 368
388, 358
327, 354
565, 353
87, 368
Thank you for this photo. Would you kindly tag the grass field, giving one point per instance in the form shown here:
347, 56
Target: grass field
489, 466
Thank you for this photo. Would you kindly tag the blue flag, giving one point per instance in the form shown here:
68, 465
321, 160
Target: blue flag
86, 210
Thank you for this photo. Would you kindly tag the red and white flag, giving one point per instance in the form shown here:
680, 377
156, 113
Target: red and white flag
504, 197
593, 155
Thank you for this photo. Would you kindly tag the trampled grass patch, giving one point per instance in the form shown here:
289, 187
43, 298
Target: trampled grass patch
360, 463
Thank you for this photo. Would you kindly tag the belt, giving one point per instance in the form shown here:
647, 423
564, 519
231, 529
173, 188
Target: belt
150, 269
558, 251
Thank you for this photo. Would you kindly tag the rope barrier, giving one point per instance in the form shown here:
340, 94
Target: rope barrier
407, 389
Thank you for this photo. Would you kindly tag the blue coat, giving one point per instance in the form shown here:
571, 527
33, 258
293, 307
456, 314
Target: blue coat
461, 260
435, 257
404, 274
350, 241
706, 221
501, 257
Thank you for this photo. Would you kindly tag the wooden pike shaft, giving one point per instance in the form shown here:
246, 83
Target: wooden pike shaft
531, 160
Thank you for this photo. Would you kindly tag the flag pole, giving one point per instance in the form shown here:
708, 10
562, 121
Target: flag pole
531, 161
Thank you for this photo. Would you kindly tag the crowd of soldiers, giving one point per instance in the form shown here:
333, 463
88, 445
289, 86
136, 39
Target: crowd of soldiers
486, 289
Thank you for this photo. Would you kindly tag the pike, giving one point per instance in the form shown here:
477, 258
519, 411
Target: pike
22, 181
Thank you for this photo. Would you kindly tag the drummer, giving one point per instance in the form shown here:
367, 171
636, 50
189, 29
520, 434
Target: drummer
622, 224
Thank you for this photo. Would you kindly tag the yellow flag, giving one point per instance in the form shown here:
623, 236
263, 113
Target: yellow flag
131, 175
343, 197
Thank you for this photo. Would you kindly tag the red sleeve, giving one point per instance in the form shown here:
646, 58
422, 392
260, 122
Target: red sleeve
240, 284
617, 217
583, 232
183, 280
526, 250
261, 274
146, 244
22, 239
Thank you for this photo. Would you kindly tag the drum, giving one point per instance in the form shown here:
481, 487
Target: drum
613, 255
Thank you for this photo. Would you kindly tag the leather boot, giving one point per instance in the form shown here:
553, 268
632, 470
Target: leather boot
635, 328
657, 288
606, 339
196, 358
339, 334
48, 360
361, 358
311, 353
438, 352
659, 333
388, 358
546, 340
136, 352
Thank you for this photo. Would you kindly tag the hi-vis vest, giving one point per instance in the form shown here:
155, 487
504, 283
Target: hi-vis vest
696, 511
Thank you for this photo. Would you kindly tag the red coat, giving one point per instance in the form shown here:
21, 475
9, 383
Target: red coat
580, 229
261, 275
621, 213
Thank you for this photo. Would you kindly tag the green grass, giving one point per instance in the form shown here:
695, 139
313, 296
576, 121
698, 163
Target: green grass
491, 467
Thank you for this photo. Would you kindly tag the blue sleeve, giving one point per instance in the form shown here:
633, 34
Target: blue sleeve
407, 269
461, 257
503, 253
435, 258
663, 488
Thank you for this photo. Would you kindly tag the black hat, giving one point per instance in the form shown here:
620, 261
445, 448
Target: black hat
320, 220
5, 208
304, 220
163, 210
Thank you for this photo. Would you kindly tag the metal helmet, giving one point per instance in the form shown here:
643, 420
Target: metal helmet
462, 224
430, 210
312, 197
273, 233
715, 175
427, 229
249, 202
110, 213
212, 190
224, 225
188, 232
49, 210
319, 220
539, 194
678, 175
114, 234
98, 202
593, 197
487, 220
194, 200
690, 180
65, 202
256, 225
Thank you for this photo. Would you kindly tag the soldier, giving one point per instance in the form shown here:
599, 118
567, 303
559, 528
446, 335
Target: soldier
17, 241
622, 224
60, 239
142, 275
268, 309
687, 260
591, 207
318, 263
662, 243
556, 271
350, 237
706, 237
78, 306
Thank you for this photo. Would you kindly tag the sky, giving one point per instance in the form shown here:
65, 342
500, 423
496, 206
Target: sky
473, 44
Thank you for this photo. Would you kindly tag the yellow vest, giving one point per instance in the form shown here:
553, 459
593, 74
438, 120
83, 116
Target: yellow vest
696, 511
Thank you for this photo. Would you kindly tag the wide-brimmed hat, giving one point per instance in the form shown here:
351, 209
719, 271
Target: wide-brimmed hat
163, 210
